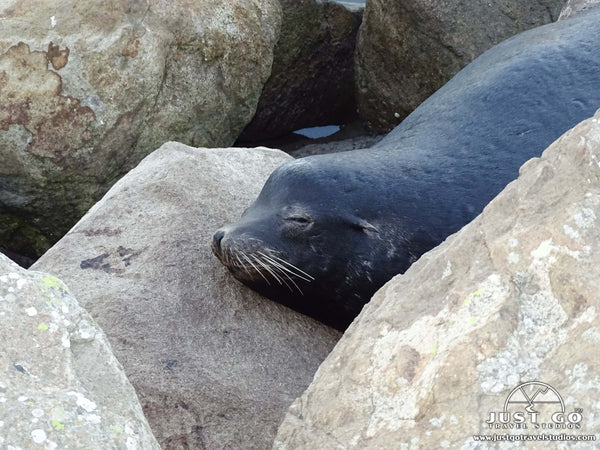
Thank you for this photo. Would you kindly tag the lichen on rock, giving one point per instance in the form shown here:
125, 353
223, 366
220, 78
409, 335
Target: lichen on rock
88, 89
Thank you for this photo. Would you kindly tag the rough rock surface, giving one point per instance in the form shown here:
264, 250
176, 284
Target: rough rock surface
88, 88
576, 6
334, 146
355, 6
408, 50
214, 365
312, 80
512, 297
60, 384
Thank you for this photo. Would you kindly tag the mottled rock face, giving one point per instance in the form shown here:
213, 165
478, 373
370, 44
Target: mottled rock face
214, 364
573, 7
408, 50
511, 298
32, 98
60, 385
87, 89
312, 81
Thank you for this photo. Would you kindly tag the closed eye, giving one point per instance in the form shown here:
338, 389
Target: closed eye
302, 220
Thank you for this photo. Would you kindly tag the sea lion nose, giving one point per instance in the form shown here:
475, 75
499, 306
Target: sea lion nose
216, 241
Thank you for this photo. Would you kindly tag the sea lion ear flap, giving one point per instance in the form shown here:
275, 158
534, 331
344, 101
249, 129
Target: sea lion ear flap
362, 224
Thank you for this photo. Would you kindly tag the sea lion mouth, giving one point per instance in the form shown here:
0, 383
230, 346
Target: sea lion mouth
258, 264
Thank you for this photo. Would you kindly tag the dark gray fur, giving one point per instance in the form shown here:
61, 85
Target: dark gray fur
353, 220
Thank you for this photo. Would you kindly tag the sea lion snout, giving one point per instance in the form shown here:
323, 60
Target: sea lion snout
216, 242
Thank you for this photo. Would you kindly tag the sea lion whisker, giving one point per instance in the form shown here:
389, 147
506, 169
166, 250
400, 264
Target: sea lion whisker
311, 278
278, 268
241, 264
282, 271
266, 266
255, 268
294, 267
293, 282
285, 272
283, 268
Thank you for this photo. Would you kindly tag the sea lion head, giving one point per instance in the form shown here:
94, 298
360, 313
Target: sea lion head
314, 240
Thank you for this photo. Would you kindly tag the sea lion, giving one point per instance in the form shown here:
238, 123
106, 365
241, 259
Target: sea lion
327, 231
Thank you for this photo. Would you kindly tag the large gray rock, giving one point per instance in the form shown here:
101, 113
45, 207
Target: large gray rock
214, 365
574, 7
312, 80
60, 384
87, 89
512, 297
408, 50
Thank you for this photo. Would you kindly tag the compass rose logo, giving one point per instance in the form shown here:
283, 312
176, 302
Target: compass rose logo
535, 405
535, 396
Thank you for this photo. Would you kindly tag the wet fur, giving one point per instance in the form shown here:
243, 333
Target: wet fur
334, 228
